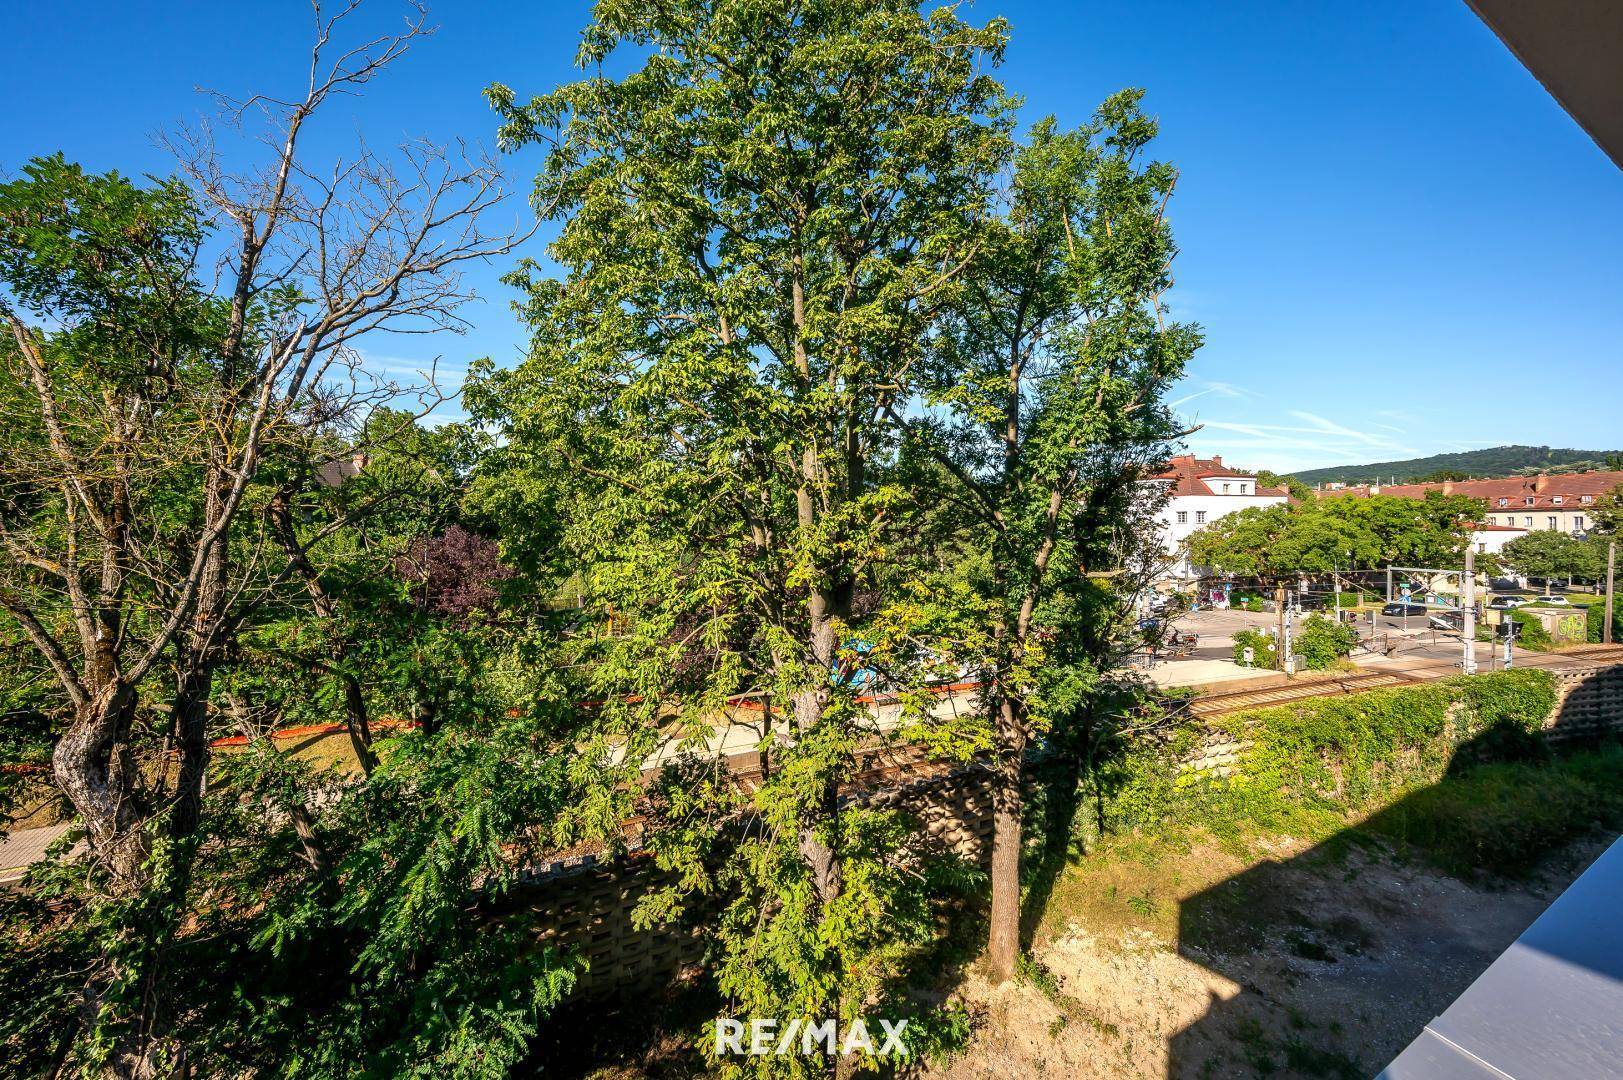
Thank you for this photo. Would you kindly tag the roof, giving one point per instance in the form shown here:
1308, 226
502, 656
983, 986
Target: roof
1499, 528
1188, 475
1551, 1005
1575, 48
1516, 490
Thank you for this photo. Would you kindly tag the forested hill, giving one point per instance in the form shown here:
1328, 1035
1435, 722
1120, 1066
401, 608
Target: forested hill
1476, 464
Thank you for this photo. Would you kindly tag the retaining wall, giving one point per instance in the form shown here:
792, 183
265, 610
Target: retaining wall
588, 904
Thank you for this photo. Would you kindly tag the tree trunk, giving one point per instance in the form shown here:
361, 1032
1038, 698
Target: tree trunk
91, 767
1003, 944
819, 852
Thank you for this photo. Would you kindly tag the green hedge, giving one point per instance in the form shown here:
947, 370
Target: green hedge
1343, 754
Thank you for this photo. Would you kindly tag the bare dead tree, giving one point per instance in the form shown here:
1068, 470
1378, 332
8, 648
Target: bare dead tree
124, 607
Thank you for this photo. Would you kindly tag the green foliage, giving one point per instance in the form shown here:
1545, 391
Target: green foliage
1315, 762
1338, 532
1504, 816
1322, 642
1549, 554
1263, 650
1596, 618
1530, 632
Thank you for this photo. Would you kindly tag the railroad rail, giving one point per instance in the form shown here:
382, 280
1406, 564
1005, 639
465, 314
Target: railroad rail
1351, 683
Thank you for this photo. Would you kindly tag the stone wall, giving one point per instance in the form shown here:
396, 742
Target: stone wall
588, 904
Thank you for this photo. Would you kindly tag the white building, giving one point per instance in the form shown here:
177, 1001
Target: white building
1200, 491
1491, 539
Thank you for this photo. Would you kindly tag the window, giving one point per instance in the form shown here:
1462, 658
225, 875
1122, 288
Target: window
1527, 522
1586, 499
1492, 520
1554, 522
1200, 517
1555, 500
1578, 526
1530, 500
1482, 549
1504, 502
1242, 489
1183, 517
1225, 489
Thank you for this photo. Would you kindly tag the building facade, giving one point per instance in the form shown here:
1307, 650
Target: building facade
1562, 503
1199, 492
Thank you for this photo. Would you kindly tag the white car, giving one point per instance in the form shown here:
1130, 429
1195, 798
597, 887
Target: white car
1503, 602
1553, 601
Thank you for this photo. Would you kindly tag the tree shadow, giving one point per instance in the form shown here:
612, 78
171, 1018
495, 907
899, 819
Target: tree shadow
1336, 958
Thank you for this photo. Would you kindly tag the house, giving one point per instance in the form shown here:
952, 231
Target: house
1561, 503
1491, 539
1199, 492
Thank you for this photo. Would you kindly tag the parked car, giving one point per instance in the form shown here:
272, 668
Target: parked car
1447, 620
1399, 608
1313, 601
1503, 584
1553, 600
1504, 603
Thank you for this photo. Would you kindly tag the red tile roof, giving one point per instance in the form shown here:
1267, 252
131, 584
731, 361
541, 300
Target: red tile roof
1515, 490
1188, 475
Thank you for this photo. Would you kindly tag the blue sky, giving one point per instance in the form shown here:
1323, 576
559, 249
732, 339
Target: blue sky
1397, 242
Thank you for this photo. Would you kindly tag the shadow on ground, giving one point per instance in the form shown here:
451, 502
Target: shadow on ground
1326, 962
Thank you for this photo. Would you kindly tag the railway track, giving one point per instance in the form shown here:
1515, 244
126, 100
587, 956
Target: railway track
1352, 683
1594, 653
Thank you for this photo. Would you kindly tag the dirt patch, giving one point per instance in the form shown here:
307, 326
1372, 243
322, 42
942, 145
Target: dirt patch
1309, 961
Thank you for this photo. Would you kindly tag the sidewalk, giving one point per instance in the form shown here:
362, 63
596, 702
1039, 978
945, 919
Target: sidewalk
25, 847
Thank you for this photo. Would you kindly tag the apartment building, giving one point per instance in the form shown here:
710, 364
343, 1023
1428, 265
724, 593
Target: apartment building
1562, 503
1199, 492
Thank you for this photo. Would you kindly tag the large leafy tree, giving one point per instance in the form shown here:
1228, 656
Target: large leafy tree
1549, 554
1044, 407
1321, 535
761, 222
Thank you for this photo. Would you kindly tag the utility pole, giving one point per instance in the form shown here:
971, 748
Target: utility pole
1279, 602
1611, 574
1388, 584
1468, 602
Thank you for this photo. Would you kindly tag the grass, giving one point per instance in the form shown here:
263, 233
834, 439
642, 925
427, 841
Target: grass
1499, 820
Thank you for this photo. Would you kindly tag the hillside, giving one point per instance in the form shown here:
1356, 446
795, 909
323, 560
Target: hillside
1478, 464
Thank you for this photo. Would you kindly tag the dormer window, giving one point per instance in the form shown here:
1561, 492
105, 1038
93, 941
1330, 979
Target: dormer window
1586, 498
1556, 499
1530, 500
1504, 502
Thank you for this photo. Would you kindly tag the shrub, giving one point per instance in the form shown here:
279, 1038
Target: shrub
1597, 613
1531, 634
1323, 641
1261, 645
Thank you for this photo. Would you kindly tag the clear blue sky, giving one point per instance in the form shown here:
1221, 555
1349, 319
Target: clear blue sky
1397, 242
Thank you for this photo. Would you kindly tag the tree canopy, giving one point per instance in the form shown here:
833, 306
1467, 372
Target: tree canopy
1338, 532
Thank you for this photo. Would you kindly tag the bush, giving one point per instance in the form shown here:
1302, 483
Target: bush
1261, 645
1324, 641
1597, 612
1531, 634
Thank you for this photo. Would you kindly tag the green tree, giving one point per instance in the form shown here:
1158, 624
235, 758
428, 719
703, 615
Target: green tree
1321, 535
1548, 554
1045, 410
1297, 490
761, 222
